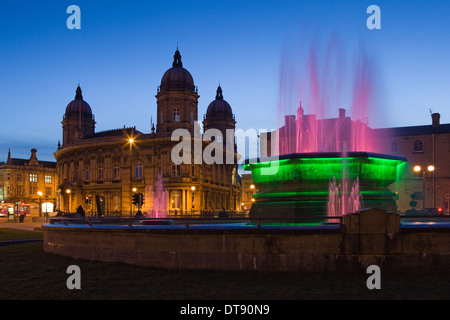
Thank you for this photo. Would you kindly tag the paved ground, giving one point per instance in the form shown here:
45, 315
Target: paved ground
26, 225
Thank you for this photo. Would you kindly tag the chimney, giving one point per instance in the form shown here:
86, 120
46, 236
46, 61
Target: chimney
341, 113
33, 154
435, 117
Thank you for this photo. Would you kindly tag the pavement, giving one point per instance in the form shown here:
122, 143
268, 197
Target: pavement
26, 225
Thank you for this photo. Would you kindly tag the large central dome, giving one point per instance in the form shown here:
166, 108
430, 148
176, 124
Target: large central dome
177, 78
78, 108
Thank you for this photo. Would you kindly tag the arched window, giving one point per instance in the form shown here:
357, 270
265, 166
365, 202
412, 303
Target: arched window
138, 170
176, 115
418, 146
100, 170
116, 171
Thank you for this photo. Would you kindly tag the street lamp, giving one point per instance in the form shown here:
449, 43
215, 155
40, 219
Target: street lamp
40, 203
68, 199
131, 141
193, 198
418, 169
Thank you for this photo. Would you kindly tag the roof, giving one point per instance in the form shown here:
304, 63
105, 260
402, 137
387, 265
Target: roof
414, 130
24, 162
115, 133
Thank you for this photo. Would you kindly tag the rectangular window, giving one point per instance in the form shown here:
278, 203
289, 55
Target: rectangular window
48, 191
176, 170
33, 177
48, 179
33, 191
175, 201
176, 115
138, 170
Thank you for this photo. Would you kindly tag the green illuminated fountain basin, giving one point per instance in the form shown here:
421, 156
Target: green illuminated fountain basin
297, 185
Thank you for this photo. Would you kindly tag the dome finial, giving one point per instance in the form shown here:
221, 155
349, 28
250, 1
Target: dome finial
177, 59
219, 95
78, 95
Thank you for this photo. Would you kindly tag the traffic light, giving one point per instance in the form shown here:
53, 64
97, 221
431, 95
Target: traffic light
90, 199
86, 199
135, 198
141, 199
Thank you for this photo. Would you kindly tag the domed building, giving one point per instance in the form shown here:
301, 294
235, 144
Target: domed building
101, 171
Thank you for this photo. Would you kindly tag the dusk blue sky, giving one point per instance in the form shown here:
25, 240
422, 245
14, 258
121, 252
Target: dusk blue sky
124, 48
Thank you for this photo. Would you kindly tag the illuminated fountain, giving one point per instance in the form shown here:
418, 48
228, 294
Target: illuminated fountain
318, 166
159, 196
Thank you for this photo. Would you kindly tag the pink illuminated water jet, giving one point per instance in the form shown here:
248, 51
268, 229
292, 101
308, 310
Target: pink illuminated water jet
320, 122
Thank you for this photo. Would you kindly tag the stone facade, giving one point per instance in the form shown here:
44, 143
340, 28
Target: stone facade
26, 184
101, 171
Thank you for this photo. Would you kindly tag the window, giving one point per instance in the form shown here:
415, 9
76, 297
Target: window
418, 146
48, 179
175, 199
138, 170
48, 191
192, 116
8, 176
116, 171
100, 172
33, 177
87, 175
176, 115
394, 147
176, 170
33, 190
19, 190
19, 177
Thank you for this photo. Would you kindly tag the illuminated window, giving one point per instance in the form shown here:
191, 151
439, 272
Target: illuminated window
418, 146
33, 177
138, 170
176, 115
48, 179
175, 199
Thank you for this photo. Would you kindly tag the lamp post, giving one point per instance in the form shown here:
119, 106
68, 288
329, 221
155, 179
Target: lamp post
131, 141
193, 199
68, 200
40, 203
418, 169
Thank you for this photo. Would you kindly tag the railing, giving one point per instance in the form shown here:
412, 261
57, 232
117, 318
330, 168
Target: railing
190, 220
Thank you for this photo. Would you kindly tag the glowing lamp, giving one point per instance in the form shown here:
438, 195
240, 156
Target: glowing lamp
417, 169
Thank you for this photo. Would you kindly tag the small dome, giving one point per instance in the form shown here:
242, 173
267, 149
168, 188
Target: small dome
219, 108
78, 106
177, 78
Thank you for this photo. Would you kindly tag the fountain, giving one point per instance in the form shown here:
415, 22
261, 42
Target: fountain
159, 196
324, 166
